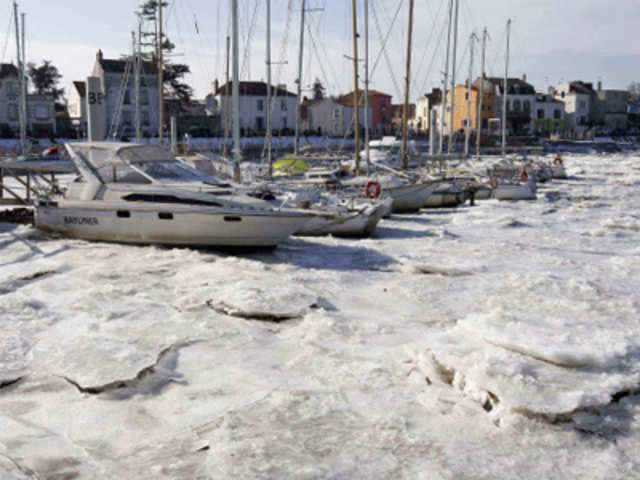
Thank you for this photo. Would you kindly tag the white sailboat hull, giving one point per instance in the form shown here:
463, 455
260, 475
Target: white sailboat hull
445, 199
167, 224
410, 197
514, 192
358, 224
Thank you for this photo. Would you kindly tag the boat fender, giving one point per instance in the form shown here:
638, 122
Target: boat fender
372, 190
557, 160
524, 176
494, 182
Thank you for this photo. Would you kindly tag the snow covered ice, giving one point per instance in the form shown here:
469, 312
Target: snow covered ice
497, 341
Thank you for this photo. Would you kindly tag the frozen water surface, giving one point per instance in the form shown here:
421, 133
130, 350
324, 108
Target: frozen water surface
498, 341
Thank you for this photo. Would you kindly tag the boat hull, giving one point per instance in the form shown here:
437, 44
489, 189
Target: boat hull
559, 172
205, 227
410, 198
514, 192
358, 224
444, 200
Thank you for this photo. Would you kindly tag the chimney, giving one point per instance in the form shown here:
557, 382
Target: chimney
524, 77
99, 56
599, 85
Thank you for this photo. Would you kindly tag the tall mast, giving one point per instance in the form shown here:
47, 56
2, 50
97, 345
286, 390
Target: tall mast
467, 130
268, 62
366, 84
137, 61
443, 111
23, 133
299, 81
160, 78
236, 92
356, 92
21, 115
226, 99
407, 80
450, 145
505, 96
485, 34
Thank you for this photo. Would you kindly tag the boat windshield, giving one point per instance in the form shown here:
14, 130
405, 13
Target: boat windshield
173, 171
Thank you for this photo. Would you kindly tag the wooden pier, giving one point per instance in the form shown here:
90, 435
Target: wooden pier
32, 176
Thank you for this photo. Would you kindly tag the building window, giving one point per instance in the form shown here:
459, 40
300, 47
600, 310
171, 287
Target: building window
582, 105
41, 112
126, 118
527, 106
127, 97
12, 111
540, 113
336, 114
260, 105
557, 114
259, 123
12, 88
145, 119
284, 122
516, 105
283, 105
144, 96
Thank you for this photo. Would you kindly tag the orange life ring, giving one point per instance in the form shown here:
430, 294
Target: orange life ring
372, 190
524, 176
557, 161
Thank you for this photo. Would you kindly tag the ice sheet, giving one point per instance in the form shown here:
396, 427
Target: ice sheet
496, 341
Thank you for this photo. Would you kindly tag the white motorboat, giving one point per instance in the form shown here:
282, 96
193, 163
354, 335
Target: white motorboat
506, 190
140, 194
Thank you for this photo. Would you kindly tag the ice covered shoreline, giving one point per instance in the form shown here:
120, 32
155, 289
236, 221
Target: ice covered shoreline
496, 341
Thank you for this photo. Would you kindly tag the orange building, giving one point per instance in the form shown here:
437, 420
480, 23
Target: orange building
461, 94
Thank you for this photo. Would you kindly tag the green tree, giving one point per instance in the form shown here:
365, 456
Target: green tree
45, 79
318, 90
173, 73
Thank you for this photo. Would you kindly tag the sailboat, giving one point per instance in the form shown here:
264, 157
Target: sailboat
505, 188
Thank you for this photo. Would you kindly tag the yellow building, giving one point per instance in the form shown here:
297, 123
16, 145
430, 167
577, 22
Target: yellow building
461, 93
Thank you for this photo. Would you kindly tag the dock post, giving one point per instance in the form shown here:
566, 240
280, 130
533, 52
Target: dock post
28, 187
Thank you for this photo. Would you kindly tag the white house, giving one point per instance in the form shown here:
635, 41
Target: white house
423, 114
548, 114
112, 76
41, 116
77, 107
578, 99
253, 106
331, 117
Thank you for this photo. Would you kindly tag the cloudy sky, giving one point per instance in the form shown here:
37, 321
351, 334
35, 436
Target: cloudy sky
552, 40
